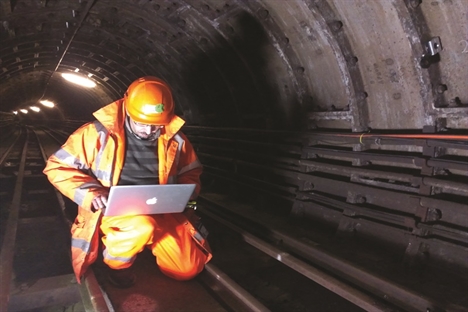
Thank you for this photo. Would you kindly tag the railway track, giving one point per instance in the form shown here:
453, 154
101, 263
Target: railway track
256, 265
36, 273
34, 236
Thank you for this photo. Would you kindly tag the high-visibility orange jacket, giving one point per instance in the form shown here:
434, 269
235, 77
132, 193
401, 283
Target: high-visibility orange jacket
91, 161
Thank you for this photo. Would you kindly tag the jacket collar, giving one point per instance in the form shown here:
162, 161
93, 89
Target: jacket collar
112, 117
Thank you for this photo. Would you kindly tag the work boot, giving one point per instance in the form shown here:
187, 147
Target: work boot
123, 278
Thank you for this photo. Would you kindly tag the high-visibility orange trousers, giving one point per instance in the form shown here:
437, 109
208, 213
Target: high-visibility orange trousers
169, 236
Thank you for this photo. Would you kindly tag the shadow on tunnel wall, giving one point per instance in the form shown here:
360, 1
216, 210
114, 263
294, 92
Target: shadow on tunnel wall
230, 83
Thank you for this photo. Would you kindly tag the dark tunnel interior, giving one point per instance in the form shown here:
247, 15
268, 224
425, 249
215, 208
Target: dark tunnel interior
348, 116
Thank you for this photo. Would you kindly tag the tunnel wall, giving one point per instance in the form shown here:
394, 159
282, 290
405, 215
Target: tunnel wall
298, 71
295, 64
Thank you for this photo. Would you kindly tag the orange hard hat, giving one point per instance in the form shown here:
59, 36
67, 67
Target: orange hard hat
148, 100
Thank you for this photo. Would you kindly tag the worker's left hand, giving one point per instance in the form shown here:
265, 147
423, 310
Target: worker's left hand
100, 201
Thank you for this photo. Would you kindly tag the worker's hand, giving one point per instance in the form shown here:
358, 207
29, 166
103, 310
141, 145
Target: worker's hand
100, 201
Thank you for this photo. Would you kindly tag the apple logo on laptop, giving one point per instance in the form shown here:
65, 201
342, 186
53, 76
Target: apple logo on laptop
151, 201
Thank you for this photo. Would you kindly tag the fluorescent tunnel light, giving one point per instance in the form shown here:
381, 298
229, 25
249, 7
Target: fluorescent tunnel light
79, 80
47, 103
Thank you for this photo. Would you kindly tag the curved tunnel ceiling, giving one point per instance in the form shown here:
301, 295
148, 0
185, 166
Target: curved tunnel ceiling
274, 64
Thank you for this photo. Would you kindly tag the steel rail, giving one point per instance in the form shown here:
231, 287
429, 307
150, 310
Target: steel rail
248, 302
9, 240
7, 151
394, 219
92, 295
306, 182
382, 288
365, 139
393, 157
452, 212
329, 282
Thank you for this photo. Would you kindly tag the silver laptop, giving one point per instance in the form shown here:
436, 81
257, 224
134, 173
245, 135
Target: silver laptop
128, 200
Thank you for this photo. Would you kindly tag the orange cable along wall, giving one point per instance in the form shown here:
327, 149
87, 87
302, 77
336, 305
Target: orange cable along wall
409, 136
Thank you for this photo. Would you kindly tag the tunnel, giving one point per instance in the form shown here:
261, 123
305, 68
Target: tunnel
349, 116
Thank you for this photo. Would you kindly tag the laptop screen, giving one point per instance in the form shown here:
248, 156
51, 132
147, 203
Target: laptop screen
127, 200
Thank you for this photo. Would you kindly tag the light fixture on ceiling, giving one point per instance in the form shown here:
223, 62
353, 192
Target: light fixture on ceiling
35, 108
47, 103
79, 80
24, 111
15, 112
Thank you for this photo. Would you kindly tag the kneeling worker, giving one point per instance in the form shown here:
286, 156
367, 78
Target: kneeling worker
135, 140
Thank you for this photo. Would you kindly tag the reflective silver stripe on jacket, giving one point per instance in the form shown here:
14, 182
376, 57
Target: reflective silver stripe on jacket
181, 142
74, 162
190, 166
70, 160
103, 138
79, 196
121, 259
193, 165
172, 179
198, 237
80, 244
